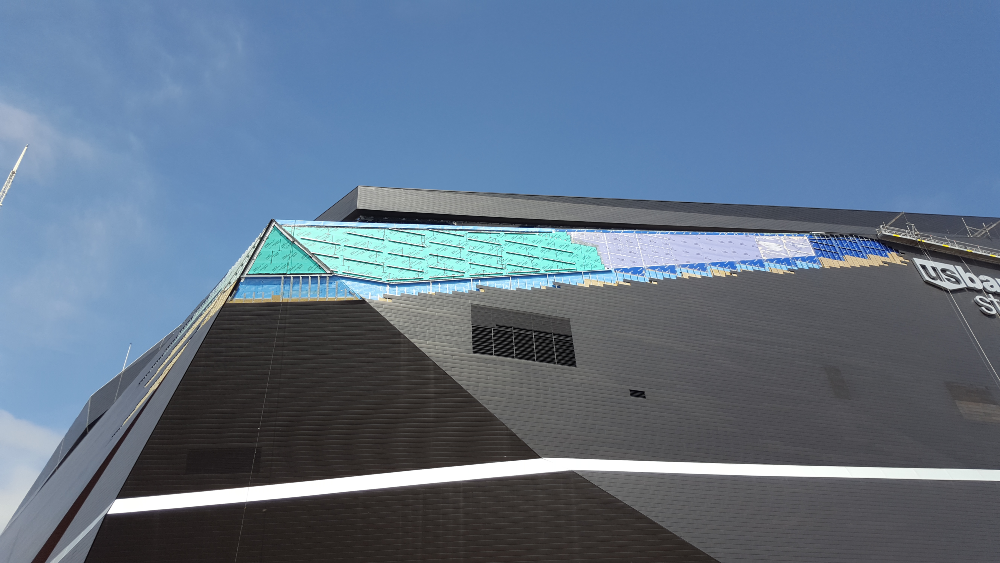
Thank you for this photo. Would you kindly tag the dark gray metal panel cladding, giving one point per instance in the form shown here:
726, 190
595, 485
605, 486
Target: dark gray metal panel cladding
735, 369
343, 207
744, 519
558, 517
984, 329
408, 205
491, 317
335, 391
865, 366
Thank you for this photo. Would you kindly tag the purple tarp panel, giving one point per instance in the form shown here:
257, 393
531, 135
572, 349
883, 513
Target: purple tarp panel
624, 250
656, 250
630, 250
701, 249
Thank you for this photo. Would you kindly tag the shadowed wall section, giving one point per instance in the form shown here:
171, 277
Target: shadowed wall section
832, 367
337, 391
559, 517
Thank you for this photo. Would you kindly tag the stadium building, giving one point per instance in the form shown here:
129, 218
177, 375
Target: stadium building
426, 375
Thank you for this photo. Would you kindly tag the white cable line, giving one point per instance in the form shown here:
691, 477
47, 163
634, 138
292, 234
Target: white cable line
126, 356
968, 327
260, 423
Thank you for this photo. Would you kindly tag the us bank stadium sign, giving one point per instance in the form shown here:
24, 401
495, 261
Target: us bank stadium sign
953, 278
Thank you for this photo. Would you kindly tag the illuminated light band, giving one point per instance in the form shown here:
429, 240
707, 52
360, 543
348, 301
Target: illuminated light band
539, 466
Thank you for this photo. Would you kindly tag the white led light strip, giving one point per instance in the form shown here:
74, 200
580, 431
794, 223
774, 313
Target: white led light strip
532, 467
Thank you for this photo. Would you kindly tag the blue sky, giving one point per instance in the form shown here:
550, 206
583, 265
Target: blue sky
164, 136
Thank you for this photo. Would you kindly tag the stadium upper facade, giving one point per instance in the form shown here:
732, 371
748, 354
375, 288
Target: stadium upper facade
424, 375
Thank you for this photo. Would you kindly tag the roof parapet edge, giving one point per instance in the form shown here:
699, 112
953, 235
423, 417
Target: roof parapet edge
344, 206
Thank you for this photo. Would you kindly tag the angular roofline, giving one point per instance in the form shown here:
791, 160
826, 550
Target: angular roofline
402, 205
353, 195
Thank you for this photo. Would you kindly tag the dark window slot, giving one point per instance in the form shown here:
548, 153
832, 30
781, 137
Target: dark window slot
523, 344
222, 461
523, 336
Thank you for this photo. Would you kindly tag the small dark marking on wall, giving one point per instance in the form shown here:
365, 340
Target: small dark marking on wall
837, 383
222, 461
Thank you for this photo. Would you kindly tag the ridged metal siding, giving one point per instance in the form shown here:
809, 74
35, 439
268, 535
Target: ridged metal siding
737, 370
559, 517
335, 391
853, 366
746, 519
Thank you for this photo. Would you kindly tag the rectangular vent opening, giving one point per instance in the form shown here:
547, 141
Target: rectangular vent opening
523, 336
216, 461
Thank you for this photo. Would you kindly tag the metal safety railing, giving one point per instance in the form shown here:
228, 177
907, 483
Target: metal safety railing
939, 243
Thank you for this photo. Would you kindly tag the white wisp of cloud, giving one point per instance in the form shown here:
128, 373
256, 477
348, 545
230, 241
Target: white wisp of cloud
24, 449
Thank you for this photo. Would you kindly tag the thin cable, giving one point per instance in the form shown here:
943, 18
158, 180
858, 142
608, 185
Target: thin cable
982, 350
260, 423
968, 328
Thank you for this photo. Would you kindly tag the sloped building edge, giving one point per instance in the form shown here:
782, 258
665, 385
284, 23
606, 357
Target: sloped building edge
26, 536
47, 503
435, 358
298, 320
121, 465
75, 436
619, 506
448, 206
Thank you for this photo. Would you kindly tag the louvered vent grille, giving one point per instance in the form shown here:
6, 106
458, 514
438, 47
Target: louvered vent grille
524, 336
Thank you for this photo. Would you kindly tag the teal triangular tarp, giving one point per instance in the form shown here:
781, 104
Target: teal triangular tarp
281, 256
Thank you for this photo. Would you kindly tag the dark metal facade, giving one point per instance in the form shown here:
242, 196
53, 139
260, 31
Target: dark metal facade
369, 203
559, 517
852, 366
863, 366
325, 390
321, 390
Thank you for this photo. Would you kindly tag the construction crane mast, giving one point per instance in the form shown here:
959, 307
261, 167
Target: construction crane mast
10, 178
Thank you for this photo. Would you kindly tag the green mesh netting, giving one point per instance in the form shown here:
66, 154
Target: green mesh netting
422, 254
280, 256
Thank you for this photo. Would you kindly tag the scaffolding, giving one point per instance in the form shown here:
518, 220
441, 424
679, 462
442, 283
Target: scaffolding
976, 232
939, 243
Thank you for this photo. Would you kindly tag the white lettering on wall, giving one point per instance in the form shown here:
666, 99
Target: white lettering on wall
952, 278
